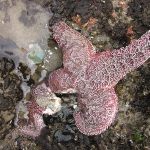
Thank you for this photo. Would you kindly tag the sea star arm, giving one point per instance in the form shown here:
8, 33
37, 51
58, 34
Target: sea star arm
133, 55
60, 80
77, 50
96, 115
107, 68
33, 129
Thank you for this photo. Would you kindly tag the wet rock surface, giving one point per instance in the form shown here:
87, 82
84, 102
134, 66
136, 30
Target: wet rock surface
10, 94
140, 13
103, 12
130, 131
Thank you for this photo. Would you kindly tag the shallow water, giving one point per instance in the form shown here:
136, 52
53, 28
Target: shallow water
25, 40
24, 32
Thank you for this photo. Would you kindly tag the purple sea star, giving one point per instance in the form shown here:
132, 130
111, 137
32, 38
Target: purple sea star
93, 76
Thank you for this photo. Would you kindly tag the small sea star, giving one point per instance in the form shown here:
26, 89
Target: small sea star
94, 75
43, 101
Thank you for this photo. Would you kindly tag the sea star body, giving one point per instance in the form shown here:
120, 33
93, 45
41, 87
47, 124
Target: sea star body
94, 75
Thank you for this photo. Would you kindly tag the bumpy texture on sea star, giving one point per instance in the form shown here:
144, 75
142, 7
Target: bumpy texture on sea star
92, 75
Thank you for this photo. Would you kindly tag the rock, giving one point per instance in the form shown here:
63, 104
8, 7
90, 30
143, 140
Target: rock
10, 94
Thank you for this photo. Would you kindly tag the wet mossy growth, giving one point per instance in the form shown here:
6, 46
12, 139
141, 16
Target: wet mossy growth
119, 34
141, 102
137, 136
10, 94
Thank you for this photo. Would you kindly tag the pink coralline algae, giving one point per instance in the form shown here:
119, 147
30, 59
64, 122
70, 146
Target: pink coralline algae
92, 75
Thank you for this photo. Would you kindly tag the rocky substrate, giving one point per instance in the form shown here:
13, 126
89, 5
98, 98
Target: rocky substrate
117, 24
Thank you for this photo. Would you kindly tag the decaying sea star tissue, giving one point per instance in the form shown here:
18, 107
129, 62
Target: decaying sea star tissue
94, 75
43, 101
